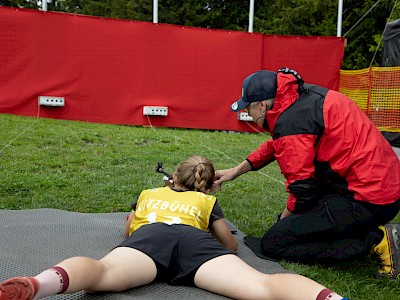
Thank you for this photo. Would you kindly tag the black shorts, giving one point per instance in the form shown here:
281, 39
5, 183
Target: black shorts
177, 250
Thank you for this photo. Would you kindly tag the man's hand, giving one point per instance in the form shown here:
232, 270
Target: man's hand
220, 177
229, 174
285, 213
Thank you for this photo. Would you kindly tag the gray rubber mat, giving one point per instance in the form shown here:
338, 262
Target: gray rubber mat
34, 240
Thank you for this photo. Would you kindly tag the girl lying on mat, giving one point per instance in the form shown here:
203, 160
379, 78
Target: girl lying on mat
169, 240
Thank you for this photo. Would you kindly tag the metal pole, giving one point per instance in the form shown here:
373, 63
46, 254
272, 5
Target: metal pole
339, 21
251, 16
44, 5
155, 11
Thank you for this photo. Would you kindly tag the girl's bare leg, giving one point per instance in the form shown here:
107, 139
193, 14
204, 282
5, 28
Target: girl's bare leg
123, 268
230, 276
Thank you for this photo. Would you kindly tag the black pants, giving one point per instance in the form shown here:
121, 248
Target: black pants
339, 229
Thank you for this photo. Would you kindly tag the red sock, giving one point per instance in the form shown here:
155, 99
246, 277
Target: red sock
52, 281
327, 294
64, 279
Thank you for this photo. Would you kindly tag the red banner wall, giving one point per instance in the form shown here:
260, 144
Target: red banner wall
108, 69
317, 59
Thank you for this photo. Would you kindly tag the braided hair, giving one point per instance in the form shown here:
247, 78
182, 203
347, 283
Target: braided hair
196, 173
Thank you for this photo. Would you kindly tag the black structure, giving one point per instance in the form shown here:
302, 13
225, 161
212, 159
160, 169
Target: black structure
391, 58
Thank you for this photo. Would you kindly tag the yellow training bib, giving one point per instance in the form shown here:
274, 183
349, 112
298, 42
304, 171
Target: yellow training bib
164, 205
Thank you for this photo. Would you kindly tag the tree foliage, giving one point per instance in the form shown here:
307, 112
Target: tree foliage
363, 22
19, 3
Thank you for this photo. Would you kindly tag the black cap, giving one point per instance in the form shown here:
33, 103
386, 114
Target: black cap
256, 87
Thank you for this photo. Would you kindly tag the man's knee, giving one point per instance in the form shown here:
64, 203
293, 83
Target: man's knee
268, 249
273, 242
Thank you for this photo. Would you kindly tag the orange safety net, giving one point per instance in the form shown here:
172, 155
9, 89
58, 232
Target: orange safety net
376, 91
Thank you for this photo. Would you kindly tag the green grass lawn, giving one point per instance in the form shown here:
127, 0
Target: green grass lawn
86, 167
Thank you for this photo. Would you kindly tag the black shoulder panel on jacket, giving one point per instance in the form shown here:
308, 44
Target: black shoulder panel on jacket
305, 115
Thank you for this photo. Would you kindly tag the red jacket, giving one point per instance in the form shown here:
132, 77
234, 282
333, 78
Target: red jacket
323, 142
